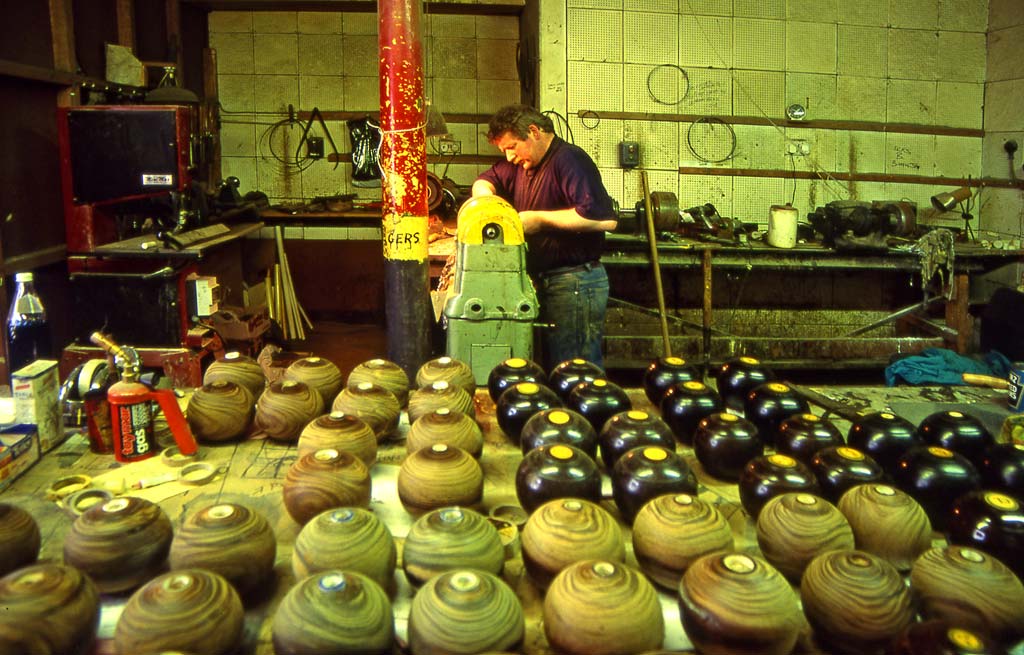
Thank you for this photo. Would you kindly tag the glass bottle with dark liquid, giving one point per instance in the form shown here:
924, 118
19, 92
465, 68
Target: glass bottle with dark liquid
28, 332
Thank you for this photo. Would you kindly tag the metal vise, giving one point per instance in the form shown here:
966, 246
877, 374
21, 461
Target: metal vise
492, 306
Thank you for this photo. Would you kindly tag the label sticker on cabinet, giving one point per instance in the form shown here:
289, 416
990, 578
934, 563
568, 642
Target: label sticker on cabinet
157, 179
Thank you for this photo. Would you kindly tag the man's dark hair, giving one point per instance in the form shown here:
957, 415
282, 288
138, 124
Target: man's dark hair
517, 119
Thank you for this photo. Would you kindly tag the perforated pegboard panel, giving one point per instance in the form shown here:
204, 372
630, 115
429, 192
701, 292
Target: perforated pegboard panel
659, 143
705, 41
593, 86
909, 154
321, 91
919, 14
654, 35
699, 189
636, 97
758, 146
864, 12
958, 156
860, 152
910, 101
860, 98
810, 47
656, 181
601, 142
863, 50
758, 93
822, 144
594, 35
753, 196
612, 179
595, 4
760, 8
705, 143
964, 107
868, 191
710, 92
759, 44
823, 11
817, 94
706, 7
659, 6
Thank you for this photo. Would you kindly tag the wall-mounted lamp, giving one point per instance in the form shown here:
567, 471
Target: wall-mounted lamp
948, 200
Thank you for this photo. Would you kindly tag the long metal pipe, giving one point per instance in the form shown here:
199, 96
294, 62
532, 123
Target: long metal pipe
403, 163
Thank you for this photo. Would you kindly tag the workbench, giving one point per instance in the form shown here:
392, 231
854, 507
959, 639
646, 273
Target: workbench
255, 472
809, 306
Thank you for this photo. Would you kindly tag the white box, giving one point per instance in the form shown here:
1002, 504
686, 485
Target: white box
35, 390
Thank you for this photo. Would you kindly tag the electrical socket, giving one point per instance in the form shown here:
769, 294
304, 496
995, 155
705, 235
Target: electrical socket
449, 146
797, 147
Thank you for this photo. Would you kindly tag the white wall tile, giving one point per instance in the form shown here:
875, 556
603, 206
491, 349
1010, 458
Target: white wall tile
325, 233
275, 22
760, 8
918, 14
710, 92
822, 11
863, 50
601, 142
594, 35
817, 93
594, 86
910, 101
361, 23
230, 21
1002, 212
759, 146
234, 53
860, 98
810, 47
497, 27
655, 34
864, 12
707, 143
492, 95
909, 154
496, 59
912, 54
759, 44
1005, 53
963, 15
364, 233
659, 143
995, 162
321, 54
705, 41
959, 104
759, 93
1004, 13
320, 22
236, 93
1002, 106
697, 190
957, 156
706, 7
276, 92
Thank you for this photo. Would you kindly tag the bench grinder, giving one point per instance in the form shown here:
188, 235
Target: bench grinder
492, 305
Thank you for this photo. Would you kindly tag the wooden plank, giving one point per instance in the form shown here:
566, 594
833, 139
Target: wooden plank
852, 177
210, 116
126, 23
37, 73
173, 13
856, 126
62, 27
33, 260
957, 314
469, 8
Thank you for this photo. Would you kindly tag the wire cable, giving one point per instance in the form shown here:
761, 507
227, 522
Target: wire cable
711, 121
563, 122
654, 96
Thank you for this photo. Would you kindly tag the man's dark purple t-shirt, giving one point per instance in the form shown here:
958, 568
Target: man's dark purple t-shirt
566, 178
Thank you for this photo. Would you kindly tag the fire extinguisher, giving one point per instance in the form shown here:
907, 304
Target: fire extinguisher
131, 410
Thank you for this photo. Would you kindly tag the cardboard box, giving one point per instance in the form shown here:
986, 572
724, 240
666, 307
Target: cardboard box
19, 450
36, 388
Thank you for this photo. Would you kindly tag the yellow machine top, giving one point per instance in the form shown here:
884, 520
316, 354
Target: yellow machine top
476, 214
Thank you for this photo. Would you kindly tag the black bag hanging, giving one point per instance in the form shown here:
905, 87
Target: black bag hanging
365, 135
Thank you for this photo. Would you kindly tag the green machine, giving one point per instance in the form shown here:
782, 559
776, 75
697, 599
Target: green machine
492, 306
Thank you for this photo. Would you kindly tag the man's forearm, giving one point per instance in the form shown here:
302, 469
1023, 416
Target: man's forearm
563, 219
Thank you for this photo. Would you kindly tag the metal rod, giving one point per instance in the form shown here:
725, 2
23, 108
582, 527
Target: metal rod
652, 240
899, 313
706, 309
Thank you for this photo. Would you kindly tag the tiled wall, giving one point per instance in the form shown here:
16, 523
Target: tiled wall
1003, 209
267, 61
884, 61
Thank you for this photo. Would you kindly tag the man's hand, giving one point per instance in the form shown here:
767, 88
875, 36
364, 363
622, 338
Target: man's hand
483, 188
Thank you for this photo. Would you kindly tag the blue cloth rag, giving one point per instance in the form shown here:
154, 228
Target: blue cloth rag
942, 366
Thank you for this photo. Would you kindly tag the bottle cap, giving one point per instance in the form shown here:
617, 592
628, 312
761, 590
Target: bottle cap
23, 277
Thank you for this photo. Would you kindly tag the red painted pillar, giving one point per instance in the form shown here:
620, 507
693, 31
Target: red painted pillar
403, 162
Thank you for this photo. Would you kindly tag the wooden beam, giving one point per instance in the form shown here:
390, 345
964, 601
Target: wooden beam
62, 27
210, 113
126, 23
852, 177
174, 38
506, 8
590, 118
37, 73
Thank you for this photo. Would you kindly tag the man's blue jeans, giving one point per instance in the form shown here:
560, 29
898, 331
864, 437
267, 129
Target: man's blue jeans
573, 301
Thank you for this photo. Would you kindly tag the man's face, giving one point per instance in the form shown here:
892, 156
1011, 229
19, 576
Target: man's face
522, 152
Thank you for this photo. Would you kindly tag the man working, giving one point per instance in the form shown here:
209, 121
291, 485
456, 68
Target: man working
565, 209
